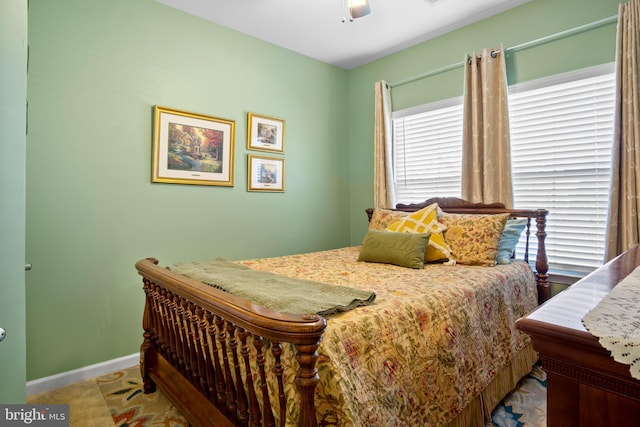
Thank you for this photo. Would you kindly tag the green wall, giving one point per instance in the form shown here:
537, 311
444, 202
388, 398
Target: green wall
96, 69
531, 21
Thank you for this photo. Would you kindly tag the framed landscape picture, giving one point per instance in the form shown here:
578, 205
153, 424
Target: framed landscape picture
265, 133
190, 148
265, 173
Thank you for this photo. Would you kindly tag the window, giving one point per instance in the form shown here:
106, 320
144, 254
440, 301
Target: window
427, 151
561, 137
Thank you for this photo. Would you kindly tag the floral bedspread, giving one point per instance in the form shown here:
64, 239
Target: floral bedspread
432, 341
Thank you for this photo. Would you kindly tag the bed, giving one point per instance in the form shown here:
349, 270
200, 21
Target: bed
435, 345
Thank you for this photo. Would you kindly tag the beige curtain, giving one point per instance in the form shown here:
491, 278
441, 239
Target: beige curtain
383, 196
623, 221
486, 152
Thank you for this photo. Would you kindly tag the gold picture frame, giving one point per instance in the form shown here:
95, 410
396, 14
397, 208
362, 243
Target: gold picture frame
191, 148
265, 133
265, 173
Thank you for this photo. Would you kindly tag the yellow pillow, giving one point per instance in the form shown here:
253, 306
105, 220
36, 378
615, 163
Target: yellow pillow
426, 221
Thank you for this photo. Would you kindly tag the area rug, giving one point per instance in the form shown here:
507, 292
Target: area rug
124, 394
130, 407
526, 406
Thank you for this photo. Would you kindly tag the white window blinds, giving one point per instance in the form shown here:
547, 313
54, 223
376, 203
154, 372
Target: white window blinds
561, 137
427, 152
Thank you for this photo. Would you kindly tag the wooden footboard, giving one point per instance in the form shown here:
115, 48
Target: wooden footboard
200, 344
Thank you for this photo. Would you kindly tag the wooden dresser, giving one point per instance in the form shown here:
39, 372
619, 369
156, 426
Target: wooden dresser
585, 386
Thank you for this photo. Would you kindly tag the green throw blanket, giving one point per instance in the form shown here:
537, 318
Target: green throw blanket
279, 293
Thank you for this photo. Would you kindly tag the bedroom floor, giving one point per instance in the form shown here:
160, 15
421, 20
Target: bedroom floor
116, 399
87, 406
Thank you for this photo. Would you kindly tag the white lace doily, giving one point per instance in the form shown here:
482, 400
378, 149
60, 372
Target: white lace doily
615, 321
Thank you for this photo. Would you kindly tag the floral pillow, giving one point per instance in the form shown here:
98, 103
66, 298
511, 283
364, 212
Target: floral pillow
381, 218
474, 239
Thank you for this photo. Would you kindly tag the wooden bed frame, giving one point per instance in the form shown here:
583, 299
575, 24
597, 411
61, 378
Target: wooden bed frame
197, 340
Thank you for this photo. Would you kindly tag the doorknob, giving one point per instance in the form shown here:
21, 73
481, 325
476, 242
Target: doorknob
3, 334
27, 267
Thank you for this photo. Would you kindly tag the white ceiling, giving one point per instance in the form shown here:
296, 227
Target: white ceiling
315, 28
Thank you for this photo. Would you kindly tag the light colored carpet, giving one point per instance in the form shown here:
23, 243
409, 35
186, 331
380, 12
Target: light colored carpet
87, 408
117, 399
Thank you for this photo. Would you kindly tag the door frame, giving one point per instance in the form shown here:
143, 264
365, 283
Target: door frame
13, 125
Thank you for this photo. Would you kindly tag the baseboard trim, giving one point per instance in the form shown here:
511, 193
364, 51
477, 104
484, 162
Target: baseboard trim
65, 378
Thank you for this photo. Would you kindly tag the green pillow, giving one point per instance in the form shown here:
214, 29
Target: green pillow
390, 247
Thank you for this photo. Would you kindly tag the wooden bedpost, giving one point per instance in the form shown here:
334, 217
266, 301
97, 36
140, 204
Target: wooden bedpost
306, 380
149, 386
147, 341
542, 263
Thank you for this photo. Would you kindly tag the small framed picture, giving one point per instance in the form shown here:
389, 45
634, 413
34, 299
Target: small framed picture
265, 173
265, 133
190, 148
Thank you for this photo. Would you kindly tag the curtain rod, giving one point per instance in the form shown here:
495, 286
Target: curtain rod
522, 46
